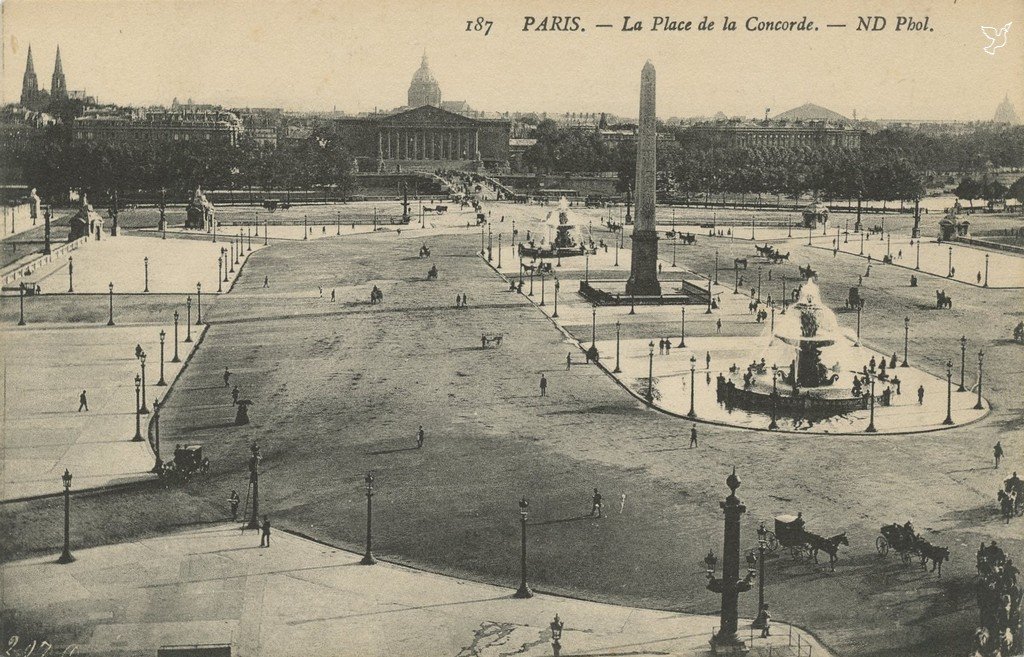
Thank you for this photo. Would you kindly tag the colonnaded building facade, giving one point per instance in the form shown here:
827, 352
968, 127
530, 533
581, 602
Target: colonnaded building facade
426, 135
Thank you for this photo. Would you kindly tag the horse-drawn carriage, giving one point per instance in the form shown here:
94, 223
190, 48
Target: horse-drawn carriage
188, 462
1011, 497
739, 263
855, 301
684, 238
904, 541
943, 300
790, 534
766, 251
776, 257
490, 340
807, 272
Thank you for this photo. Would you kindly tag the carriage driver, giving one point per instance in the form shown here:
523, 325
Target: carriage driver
798, 524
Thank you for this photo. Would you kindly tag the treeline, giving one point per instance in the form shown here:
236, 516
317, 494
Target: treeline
54, 165
890, 165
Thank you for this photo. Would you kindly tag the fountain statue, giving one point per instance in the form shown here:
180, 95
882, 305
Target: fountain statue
564, 244
809, 327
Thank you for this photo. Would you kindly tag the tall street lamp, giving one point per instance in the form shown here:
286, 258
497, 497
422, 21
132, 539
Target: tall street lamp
224, 256
682, 327
110, 288
906, 340
220, 267
986, 271
65, 555
593, 326
979, 405
159, 464
199, 304
542, 287
693, 379
138, 414
949, 393
949, 268
871, 419
145, 270
21, 304
368, 559
917, 264
142, 361
736, 275
254, 483
524, 589
762, 545
188, 319
857, 342
618, 329
759, 284
231, 257
556, 636
650, 373
499, 250
162, 382
716, 266
557, 285
775, 397
730, 585
71, 274
963, 362
175, 359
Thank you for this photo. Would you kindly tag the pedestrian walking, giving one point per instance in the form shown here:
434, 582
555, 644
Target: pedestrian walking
458, 300
233, 501
718, 325
234, 395
465, 300
321, 287
265, 533
333, 295
707, 360
997, 451
266, 282
543, 385
595, 502
920, 395
693, 436
766, 629
419, 437
227, 377
622, 503
568, 361
83, 403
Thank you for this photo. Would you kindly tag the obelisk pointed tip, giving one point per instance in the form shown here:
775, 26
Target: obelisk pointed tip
649, 66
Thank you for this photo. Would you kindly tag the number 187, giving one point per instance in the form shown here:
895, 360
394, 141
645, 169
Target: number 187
479, 25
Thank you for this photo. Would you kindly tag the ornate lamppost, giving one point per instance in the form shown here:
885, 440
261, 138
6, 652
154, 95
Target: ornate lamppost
368, 559
963, 362
949, 268
142, 362
762, 546
730, 585
524, 589
716, 266
917, 264
110, 288
161, 382
138, 414
254, 482
593, 326
682, 327
21, 304
986, 271
906, 340
871, 419
175, 359
199, 304
220, 267
499, 250
708, 311
556, 636
557, 285
949, 393
775, 397
759, 284
857, 341
71, 274
979, 406
543, 286
65, 555
650, 373
145, 270
224, 256
188, 319
159, 464
736, 277
693, 379
618, 329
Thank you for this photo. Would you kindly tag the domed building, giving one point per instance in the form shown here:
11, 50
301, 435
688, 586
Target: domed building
1006, 113
424, 89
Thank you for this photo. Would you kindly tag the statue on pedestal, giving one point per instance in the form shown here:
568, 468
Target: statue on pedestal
34, 205
199, 212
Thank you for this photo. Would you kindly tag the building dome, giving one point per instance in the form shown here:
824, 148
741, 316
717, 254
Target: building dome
424, 89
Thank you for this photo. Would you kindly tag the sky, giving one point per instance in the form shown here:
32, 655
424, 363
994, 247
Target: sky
357, 56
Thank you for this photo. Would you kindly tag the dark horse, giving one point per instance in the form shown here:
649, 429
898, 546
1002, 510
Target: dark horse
829, 545
932, 553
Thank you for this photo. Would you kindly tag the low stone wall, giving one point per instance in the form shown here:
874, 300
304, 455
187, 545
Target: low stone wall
786, 404
995, 246
16, 216
23, 270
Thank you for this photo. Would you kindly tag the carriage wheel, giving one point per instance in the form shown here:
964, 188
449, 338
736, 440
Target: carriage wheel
773, 542
882, 546
1020, 509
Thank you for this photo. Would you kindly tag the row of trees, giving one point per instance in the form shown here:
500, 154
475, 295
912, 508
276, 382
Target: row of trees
989, 189
890, 165
55, 165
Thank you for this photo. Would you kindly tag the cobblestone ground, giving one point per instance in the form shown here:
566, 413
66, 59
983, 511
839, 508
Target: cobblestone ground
340, 388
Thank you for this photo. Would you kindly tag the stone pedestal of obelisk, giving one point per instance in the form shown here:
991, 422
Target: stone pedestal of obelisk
643, 274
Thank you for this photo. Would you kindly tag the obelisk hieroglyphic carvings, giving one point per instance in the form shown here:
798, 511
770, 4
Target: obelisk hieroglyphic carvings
643, 275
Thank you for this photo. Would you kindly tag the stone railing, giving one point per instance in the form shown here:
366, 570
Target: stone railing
27, 269
995, 246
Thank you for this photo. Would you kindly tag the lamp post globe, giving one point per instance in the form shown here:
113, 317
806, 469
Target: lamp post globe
979, 406
650, 372
963, 362
949, 393
693, 385
524, 589
163, 338
906, 341
138, 415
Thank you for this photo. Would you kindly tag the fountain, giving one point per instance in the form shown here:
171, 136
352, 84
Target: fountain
796, 359
564, 244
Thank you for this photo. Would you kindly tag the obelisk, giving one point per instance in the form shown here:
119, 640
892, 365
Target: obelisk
643, 273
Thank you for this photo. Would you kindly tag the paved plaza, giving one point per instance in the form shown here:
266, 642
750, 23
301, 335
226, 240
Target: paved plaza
46, 367
215, 586
340, 387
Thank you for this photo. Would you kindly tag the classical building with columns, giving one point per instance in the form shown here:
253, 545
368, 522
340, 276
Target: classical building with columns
426, 138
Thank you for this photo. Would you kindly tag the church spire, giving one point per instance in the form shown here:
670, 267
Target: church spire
58, 85
29, 83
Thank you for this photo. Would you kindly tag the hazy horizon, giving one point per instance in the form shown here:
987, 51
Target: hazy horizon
318, 56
